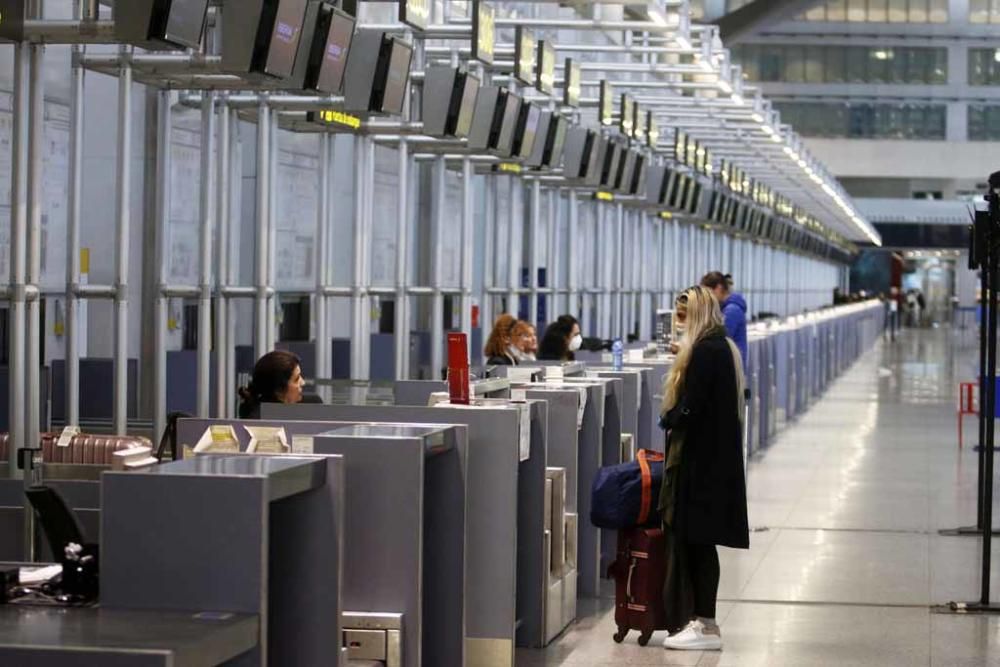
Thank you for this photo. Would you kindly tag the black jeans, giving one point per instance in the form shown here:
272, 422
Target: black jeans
703, 565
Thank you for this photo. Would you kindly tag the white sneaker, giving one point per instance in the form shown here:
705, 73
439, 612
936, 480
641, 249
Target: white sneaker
693, 638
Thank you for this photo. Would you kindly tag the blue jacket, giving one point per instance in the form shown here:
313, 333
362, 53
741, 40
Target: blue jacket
734, 316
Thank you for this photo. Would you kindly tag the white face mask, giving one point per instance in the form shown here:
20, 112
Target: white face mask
575, 342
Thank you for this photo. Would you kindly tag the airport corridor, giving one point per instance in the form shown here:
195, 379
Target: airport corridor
846, 561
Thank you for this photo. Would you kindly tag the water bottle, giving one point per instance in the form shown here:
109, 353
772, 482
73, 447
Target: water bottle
617, 352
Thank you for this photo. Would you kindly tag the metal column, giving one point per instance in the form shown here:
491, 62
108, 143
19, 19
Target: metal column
553, 278
272, 234
163, 197
205, 260
572, 283
124, 181
263, 226
535, 221
321, 337
18, 252
439, 189
468, 249
223, 380
401, 313
600, 275
36, 139
235, 171
513, 247
73, 240
489, 254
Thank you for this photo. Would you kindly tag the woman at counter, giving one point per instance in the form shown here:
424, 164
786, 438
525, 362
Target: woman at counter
524, 340
500, 350
277, 378
703, 498
561, 340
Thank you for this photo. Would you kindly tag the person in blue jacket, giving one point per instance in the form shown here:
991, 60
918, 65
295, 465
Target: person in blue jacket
734, 309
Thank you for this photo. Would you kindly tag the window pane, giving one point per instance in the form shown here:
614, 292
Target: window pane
938, 66
836, 10
817, 13
857, 61
902, 65
994, 11
939, 11
860, 121
878, 64
814, 64
771, 63
918, 11
897, 11
977, 67
978, 11
835, 63
794, 64
856, 11
878, 11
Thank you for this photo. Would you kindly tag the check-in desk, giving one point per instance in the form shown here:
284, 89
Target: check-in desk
507, 570
380, 585
102, 637
248, 535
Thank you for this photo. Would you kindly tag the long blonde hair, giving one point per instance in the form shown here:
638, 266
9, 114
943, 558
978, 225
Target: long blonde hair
703, 317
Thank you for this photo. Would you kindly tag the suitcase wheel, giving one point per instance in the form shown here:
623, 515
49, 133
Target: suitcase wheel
619, 636
644, 638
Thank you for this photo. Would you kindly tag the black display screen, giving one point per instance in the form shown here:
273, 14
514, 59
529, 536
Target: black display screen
524, 56
626, 119
470, 91
527, 129
333, 61
626, 169
183, 22
595, 162
397, 77
612, 159
508, 124
638, 176
694, 198
556, 141
679, 192
285, 36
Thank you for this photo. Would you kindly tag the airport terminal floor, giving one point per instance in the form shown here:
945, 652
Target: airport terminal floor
845, 507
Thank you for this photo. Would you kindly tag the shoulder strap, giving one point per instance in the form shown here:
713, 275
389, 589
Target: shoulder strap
644, 457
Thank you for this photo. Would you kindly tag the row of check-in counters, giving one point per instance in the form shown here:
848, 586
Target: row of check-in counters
416, 533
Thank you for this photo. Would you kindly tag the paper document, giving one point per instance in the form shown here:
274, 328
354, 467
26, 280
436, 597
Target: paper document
38, 575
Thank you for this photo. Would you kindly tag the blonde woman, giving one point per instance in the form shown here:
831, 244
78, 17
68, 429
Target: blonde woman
703, 499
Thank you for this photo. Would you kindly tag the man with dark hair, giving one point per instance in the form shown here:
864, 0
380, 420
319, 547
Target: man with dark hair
734, 308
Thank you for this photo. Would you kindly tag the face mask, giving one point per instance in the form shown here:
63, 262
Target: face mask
529, 356
575, 342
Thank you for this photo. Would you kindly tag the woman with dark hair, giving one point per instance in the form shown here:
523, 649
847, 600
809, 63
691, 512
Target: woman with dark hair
277, 378
562, 338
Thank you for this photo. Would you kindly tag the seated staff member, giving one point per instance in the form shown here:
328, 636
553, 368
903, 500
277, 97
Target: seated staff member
499, 348
277, 378
524, 341
562, 338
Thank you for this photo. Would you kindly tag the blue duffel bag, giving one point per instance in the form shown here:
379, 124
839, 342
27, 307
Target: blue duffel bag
626, 495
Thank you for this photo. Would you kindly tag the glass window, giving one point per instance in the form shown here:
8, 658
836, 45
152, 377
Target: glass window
879, 59
814, 64
994, 11
984, 67
857, 11
836, 63
795, 57
856, 69
879, 121
898, 11
979, 11
836, 11
771, 63
878, 11
901, 67
918, 11
938, 67
938, 11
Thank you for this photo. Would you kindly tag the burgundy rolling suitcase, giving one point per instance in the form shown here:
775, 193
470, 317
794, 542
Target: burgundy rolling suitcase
639, 571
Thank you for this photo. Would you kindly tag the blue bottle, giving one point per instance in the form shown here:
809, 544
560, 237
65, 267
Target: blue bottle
617, 353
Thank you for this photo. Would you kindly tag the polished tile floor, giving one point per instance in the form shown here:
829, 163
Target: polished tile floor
846, 560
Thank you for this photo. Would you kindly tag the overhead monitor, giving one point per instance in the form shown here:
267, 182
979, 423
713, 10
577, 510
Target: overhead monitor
572, 83
393, 78
612, 159
556, 141
508, 126
545, 123
626, 171
330, 48
691, 152
678, 194
655, 176
545, 79
526, 131
652, 130
670, 186
449, 101
576, 154
693, 197
483, 31
715, 206
639, 124
680, 146
415, 13
279, 57
638, 184
153, 24
488, 114
524, 55
263, 37
598, 157
626, 118
605, 109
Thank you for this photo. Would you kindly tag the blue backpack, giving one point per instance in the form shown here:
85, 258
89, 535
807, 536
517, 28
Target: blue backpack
626, 495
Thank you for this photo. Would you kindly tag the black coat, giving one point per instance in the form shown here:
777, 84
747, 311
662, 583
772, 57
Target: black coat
501, 360
711, 504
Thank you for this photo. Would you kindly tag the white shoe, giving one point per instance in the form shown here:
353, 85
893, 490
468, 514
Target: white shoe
693, 638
